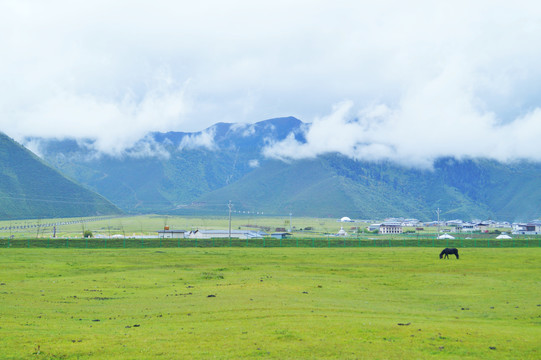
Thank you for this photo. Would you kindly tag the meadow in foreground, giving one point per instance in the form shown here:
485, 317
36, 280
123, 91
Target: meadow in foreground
373, 303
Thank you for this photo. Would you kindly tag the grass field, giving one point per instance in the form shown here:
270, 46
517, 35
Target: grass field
230, 303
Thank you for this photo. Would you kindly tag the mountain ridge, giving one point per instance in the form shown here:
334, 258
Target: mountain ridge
225, 162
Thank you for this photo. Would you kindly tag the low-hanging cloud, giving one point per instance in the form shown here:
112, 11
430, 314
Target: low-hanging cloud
112, 126
440, 118
146, 148
254, 163
204, 139
246, 130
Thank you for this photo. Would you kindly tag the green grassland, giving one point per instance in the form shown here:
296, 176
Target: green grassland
231, 303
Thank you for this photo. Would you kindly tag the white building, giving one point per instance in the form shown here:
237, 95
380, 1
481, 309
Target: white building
215, 234
410, 222
171, 234
527, 229
390, 227
469, 227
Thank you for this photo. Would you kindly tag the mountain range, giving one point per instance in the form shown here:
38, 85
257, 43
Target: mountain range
29, 188
199, 173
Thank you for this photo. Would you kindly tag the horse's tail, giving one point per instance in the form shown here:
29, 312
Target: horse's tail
456, 253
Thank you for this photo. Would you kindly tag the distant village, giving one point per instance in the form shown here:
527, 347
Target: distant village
397, 225
390, 226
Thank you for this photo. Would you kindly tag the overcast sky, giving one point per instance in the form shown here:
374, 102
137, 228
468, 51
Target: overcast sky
401, 80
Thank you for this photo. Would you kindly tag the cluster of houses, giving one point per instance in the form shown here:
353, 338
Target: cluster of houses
396, 226
388, 227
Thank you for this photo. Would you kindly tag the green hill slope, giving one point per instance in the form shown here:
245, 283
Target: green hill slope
335, 186
31, 189
303, 187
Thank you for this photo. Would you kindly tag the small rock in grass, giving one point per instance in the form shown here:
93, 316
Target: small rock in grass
492, 347
210, 296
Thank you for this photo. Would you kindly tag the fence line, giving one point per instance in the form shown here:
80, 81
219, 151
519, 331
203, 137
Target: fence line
321, 242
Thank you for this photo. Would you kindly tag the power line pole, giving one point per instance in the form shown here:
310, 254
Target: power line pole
229, 206
438, 212
290, 222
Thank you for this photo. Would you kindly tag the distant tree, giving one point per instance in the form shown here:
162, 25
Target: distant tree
88, 234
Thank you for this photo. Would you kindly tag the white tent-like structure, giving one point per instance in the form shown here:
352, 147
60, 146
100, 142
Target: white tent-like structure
342, 232
503, 236
345, 219
446, 236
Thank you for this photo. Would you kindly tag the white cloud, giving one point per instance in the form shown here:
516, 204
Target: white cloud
113, 71
245, 129
148, 147
249, 131
254, 163
114, 125
423, 127
204, 139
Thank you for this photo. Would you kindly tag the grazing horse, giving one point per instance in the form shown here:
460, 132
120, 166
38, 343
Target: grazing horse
447, 251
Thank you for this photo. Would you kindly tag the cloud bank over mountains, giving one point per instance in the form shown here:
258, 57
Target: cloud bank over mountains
414, 135
406, 82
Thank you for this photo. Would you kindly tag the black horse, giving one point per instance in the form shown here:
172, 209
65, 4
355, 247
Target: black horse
449, 251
